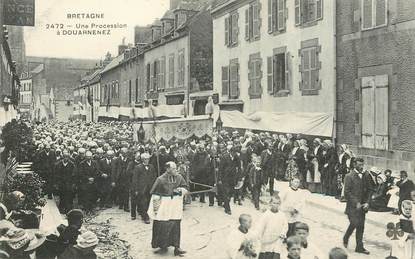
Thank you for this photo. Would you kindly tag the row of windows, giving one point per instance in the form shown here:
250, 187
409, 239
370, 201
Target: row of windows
278, 72
137, 85
157, 75
110, 91
306, 13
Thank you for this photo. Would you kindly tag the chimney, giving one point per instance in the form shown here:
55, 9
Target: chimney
142, 35
174, 4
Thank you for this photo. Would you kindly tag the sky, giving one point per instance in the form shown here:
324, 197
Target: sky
42, 40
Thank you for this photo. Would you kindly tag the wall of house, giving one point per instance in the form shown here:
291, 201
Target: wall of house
164, 50
63, 110
324, 31
106, 79
386, 50
201, 52
131, 70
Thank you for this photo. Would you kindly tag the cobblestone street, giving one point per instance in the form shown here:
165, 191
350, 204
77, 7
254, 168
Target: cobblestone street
204, 231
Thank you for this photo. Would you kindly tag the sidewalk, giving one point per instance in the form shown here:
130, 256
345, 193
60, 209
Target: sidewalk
328, 203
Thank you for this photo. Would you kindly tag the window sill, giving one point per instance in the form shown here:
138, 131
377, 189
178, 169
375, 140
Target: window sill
309, 24
282, 93
374, 28
253, 40
276, 33
258, 96
309, 92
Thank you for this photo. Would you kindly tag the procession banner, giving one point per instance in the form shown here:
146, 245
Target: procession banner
179, 128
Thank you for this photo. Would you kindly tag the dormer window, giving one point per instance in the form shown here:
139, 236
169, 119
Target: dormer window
156, 31
180, 18
167, 26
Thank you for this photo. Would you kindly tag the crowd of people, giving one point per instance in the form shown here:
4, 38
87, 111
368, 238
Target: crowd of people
91, 165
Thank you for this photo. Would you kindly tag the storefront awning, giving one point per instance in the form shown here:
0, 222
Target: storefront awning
315, 124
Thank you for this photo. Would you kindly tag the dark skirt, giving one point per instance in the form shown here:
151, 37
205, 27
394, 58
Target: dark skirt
166, 233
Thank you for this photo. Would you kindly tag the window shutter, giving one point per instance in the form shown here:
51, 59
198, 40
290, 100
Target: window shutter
381, 112
251, 75
298, 12
234, 80
151, 76
255, 20
171, 71
287, 71
259, 9
130, 92
281, 15
319, 11
162, 73
305, 67
313, 68
247, 22
225, 80
270, 80
368, 107
367, 14
136, 90
227, 30
381, 12
235, 28
259, 76
270, 14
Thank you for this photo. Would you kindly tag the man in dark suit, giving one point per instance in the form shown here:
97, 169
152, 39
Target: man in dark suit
87, 176
357, 196
229, 167
104, 181
143, 177
122, 179
46, 166
65, 174
405, 187
267, 165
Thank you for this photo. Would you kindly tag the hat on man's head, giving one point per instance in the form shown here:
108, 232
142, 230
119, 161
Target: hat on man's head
87, 240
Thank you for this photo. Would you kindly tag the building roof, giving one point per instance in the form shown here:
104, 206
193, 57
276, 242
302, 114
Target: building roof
38, 69
194, 5
168, 15
114, 63
217, 3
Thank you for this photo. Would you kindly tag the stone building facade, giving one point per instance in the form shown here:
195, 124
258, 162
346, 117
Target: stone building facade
375, 81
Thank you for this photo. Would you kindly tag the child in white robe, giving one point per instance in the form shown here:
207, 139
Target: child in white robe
293, 204
271, 230
309, 250
240, 242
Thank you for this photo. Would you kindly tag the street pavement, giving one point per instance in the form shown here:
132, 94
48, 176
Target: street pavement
205, 229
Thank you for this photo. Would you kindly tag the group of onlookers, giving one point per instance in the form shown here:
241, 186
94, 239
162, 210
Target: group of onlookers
20, 237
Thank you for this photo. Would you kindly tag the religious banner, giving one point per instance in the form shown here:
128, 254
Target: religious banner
19, 12
179, 128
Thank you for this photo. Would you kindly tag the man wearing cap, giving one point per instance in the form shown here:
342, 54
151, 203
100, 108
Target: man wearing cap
88, 172
65, 174
143, 177
45, 167
105, 166
121, 179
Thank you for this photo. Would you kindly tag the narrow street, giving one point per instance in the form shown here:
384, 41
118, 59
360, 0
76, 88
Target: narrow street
205, 229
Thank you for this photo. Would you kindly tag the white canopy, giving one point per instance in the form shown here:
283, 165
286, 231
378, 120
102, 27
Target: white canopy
307, 123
